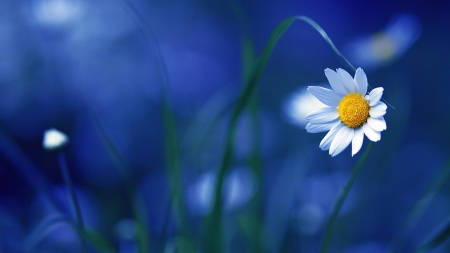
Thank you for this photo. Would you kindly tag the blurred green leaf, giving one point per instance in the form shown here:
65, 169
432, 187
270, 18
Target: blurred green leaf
142, 233
170, 133
214, 235
251, 224
173, 166
436, 240
254, 215
420, 206
325, 36
185, 245
342, 196
248, 56
121, 164
99, 241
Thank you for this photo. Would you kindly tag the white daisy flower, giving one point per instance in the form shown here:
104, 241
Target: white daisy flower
350, 113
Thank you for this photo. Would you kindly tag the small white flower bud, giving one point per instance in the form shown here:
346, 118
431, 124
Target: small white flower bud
54, 139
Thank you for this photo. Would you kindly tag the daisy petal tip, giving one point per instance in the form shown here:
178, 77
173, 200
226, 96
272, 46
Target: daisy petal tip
335, 153
329, 71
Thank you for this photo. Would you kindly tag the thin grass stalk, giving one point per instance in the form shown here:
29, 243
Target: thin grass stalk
73, 198
417, 210
172, 150
436, 240
341, 199
142, 235
254, 159
214, 240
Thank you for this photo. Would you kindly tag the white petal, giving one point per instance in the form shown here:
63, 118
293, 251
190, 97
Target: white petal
371, 134
376, 114
335, 82
361, 81
379, 110
377, 124
357, 140
347, 81
322, 115
326, 141
380, 106
318, 128
341, 141
325, 95
375, 95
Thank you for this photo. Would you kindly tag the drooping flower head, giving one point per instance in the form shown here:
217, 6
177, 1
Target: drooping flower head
350, 114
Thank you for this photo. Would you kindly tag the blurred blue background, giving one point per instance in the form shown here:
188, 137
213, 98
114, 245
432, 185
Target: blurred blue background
62, 61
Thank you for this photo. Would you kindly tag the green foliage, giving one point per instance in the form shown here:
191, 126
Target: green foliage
341, 199
420, 206
99, 242
253, 73
442, 236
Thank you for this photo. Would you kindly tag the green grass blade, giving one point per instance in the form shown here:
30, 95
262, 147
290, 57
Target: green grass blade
142, 232
170, 133
214, 236
420, 206
121, 164
326, 37
99, 241
436, 240
73, 198
213, 221
330, 42
173, 166
248, 56
254, 217
341, 199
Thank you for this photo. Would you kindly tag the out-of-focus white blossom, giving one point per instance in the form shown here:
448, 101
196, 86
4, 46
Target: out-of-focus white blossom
298, 105
374, 50
54, 139
238, 188
57, 12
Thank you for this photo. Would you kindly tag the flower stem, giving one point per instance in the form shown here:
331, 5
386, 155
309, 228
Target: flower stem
341, 199
76, 206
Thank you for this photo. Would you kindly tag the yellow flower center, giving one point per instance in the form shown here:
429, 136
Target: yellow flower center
354, 110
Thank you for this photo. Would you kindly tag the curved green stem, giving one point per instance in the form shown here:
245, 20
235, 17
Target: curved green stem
417, 210
341, 199
73, 198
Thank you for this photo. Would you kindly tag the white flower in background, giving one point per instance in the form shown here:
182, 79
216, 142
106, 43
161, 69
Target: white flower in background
350, 113
238, 189
57, 12
374, 50
298, 105
54, 139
